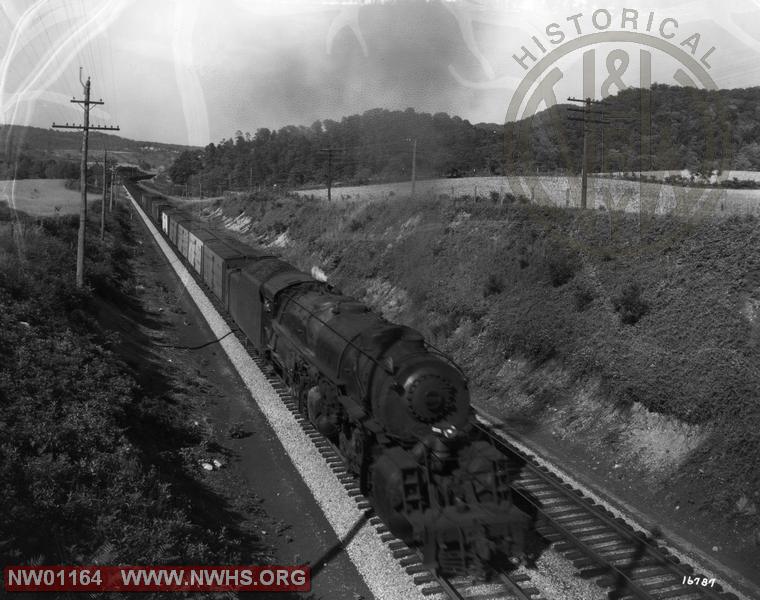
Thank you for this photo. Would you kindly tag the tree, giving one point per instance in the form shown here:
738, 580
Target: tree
187, 164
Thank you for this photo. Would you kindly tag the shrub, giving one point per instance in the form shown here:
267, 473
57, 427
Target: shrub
494, 285
582, 297
278, 227
562, 264
630, 304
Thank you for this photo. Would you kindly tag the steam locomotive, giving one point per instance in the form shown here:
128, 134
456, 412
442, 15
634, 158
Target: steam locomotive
397, 409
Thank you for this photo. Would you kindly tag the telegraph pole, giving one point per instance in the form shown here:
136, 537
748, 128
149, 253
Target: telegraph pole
105, 187
586, 120
113, 176
86, 127
414, 164
329, 152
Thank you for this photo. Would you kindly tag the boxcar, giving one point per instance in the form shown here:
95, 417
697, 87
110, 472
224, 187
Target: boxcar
158, 207
174, 217
183, 235
197, 237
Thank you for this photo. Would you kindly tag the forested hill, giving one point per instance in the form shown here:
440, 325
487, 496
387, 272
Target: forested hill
35, 152
695, 129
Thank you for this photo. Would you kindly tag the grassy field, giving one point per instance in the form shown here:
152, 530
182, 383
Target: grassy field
614, 194
40, 197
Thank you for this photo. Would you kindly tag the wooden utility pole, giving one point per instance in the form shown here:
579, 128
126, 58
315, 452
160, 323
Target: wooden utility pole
86, 127
414, 164
586, 120
105, 187
329, 175
329, 152
113, 176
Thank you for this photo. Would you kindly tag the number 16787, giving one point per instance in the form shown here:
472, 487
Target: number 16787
703, 581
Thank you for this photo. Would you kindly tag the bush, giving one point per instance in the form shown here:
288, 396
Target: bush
278, 227
562, 265
630, 304
494, 285
582, 297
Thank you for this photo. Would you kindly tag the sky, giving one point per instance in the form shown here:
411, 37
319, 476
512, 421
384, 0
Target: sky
197, 71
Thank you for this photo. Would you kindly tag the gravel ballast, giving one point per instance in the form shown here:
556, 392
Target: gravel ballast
384, 576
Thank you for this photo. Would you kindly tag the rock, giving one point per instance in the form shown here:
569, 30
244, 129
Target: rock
217, 463
207, 466
745, 506
715, 548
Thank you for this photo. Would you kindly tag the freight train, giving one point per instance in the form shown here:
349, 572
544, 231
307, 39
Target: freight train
397, 409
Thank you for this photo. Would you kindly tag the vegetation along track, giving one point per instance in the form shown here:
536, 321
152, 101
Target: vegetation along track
601, 546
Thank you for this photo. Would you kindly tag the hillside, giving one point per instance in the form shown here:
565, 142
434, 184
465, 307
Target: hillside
691, 129
25, 148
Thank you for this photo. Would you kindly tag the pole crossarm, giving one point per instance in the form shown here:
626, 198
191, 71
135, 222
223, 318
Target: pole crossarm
587, 101
588, 121
90, 127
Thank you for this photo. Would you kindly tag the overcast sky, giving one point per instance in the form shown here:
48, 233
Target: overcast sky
195, 71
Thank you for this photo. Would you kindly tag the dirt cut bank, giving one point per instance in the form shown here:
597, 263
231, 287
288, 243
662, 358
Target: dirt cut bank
631, 343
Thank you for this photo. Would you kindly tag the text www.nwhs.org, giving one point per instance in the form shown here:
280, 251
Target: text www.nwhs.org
157, 579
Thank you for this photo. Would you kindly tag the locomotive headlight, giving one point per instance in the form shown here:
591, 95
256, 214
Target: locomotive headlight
430, 397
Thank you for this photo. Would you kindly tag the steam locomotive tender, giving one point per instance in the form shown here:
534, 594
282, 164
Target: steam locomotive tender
397, 409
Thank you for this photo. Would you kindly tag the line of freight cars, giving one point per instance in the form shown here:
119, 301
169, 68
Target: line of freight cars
396, 408
211, 253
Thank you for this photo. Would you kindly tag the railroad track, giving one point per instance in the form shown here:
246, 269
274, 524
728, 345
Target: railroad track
503, 586
629, 563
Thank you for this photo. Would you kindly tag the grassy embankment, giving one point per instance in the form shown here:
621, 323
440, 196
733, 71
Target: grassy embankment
636, 339
97, 452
